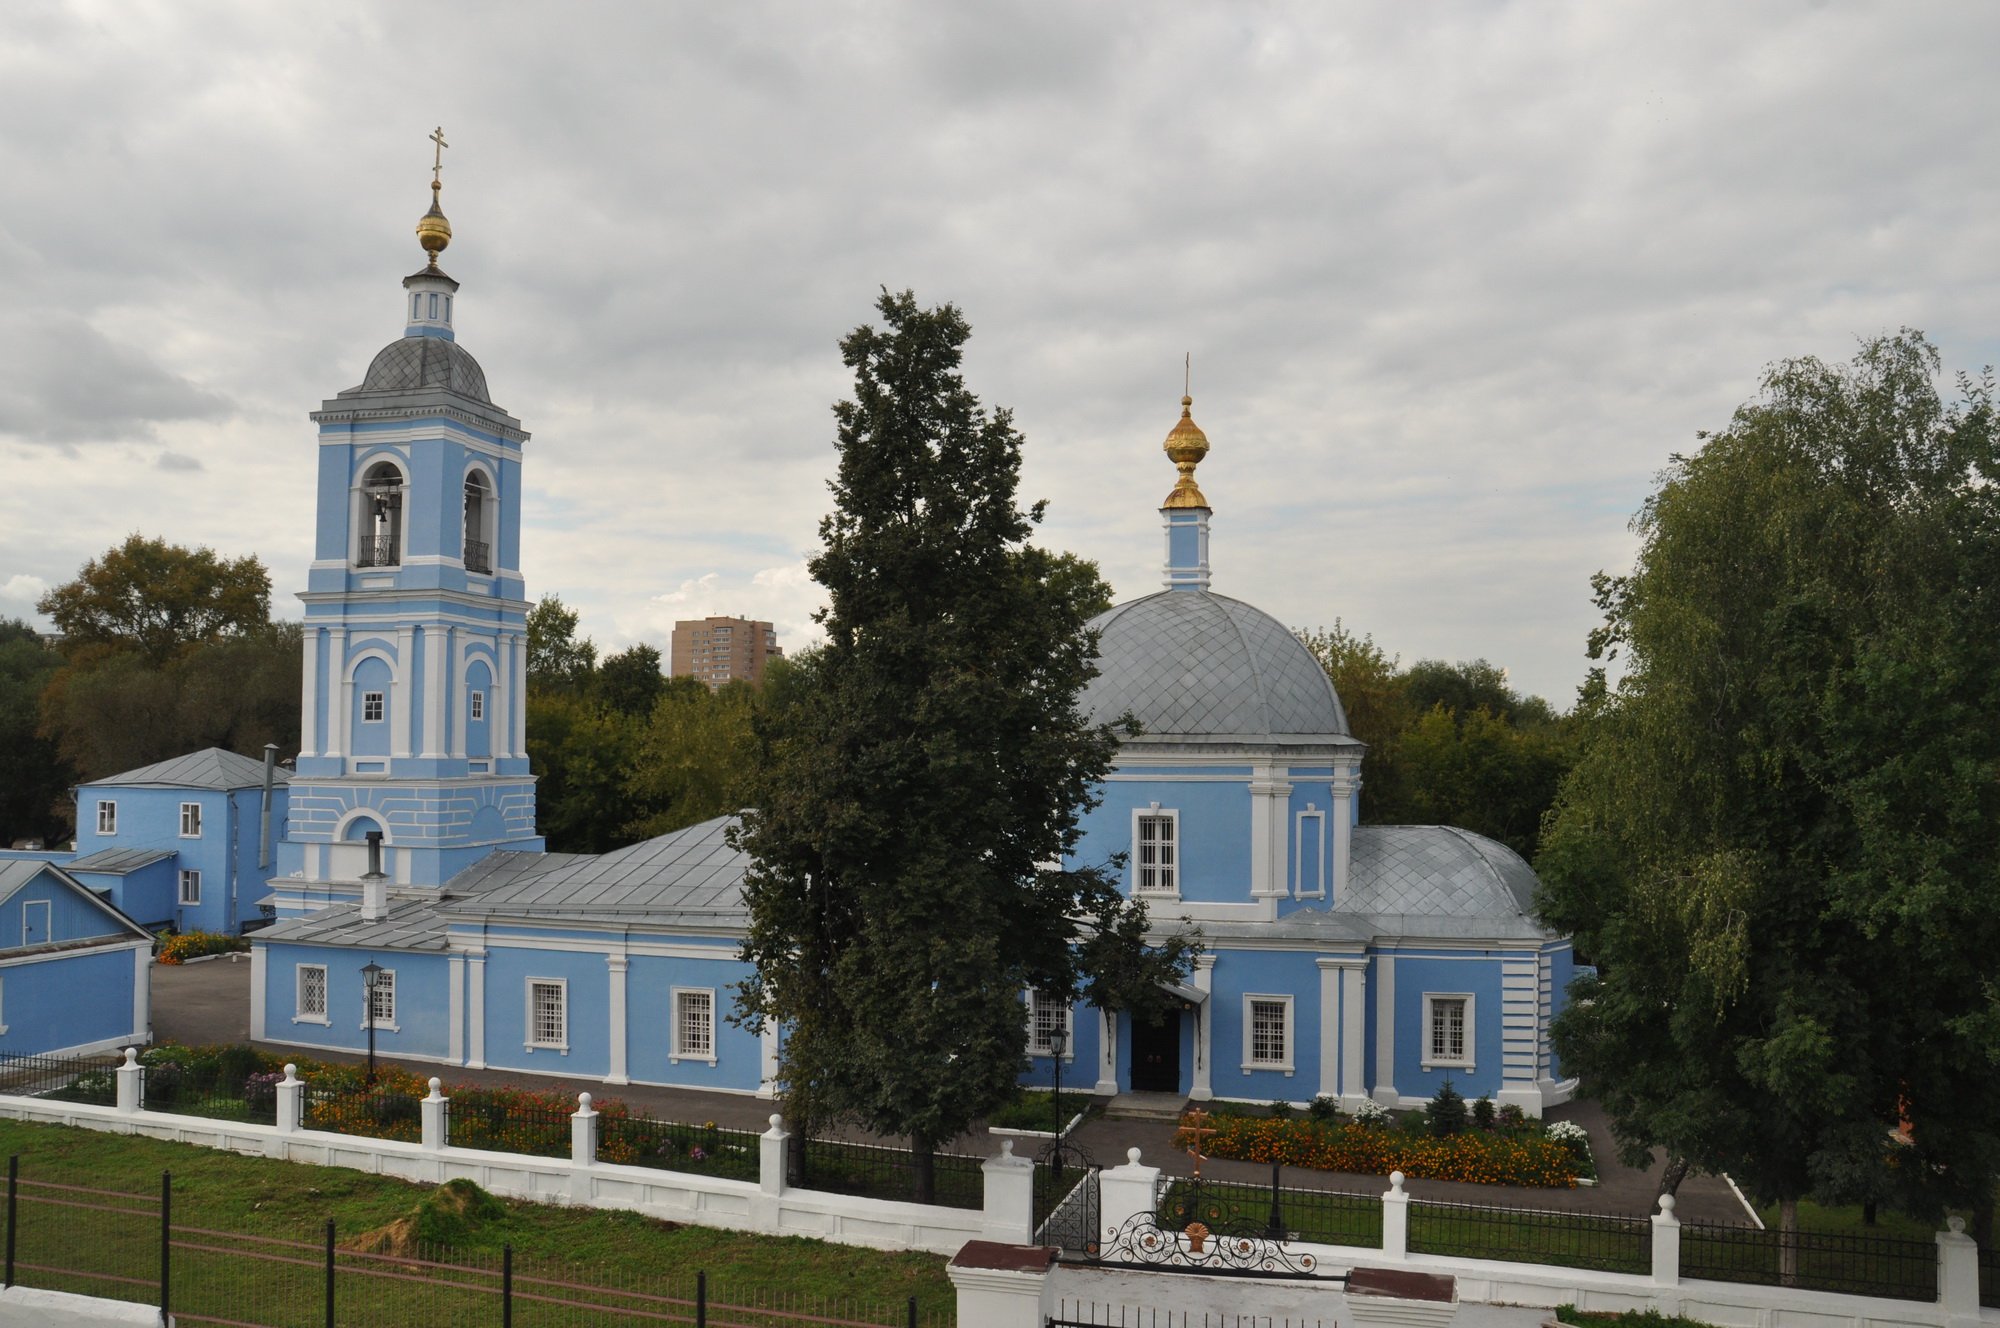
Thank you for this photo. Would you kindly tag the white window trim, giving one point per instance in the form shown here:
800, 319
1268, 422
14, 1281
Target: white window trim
478, 704
1287, 1065
107, 825
562, 986
674, 1053
368, 1005
1173, 815
299, 1015
195, 808
1069, 1029
1310, 821
188, 875
1432, 1062
381, 700
48, 920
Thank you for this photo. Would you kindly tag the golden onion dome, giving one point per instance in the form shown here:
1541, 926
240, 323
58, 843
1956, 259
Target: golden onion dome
433, 231
1186, 445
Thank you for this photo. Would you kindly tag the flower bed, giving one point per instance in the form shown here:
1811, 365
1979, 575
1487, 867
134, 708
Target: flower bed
188, 945
1480, 1156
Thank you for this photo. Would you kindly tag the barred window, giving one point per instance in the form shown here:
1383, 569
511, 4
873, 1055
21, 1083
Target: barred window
190, 887
312, 991
107, 818
1449, 1019
190, 820
479, 705
1269, 1031
548, 1014
371, 707
694, 1023
1157, 858
382, 1011
1046, 1014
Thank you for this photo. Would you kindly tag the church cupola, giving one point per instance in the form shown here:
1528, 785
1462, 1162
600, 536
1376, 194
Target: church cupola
430, 291
1186, 511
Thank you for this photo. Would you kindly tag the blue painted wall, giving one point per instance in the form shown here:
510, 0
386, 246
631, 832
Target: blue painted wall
67, 1000
422, 1000
1421, 972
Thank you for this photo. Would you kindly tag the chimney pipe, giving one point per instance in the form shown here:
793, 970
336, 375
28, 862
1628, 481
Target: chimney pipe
374, 886
264, 823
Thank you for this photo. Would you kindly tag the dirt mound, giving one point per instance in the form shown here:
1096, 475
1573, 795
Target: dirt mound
450, 1215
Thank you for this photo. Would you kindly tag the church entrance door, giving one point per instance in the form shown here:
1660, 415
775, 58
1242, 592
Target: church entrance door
1156, 1055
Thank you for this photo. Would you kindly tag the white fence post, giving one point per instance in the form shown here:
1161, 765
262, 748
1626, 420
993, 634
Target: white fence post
1125, 1192
291, 1101
583, 1133
771, 1156
1958, 1273
1395, 1219
1010, 1196
1666, 1244
1002, 1286
431, 1116
131, 1081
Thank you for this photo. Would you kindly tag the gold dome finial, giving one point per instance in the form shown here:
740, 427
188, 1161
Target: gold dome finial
433, 231
1186, 445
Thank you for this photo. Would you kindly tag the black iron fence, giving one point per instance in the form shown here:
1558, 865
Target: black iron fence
90, 1079
376, 551
706, 1150
1989, 1278
1604, 1241
1857, 1265
376, 1113
226, 1088
507, 1122
129, 1247
478, 556
875, 1171
1276, 1212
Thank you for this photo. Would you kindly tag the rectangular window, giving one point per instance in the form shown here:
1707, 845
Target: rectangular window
1267, 1033
434, 305
447, 308
1448, 1030
416, 307
371, 707
479, 705
1157, 858
190, 887
694, 1024
311, 994
107, 818
382, 1000
1046, 1014
548, 1013
190, 820
1309, 852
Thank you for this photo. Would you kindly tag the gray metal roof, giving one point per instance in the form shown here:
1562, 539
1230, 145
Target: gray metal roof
691, 873
1439, 880
414, 362
409, 924
18, 872
1190, 663
119, 861
209, 768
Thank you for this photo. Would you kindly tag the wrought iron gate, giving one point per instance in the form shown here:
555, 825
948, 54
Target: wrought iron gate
1066, 1211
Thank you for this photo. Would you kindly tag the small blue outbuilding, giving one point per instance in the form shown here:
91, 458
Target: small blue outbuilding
73, 969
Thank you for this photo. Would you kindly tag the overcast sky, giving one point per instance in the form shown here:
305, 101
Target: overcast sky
1456, 277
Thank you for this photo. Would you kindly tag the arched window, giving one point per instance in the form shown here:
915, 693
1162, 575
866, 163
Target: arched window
478, 524
379, 542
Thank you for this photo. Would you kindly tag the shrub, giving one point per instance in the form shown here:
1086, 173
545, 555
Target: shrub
1414, 1122
1482, 1112
1371, 1114
1323, 1109
1446, 1112
1512, 1116
1281, 1110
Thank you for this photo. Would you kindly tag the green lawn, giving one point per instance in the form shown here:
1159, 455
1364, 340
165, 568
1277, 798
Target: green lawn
257, 1197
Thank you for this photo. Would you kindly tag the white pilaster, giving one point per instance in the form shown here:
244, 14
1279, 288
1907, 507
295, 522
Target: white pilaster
309, 696
455, 1048
1107, 1053
142, 992
434, 689
1385, 1030
1353, 1036
1204, 1038
616, 966
1346, 783
1329, 1026
497, 724
404, 742
475, 998
520, 704
1520, 1033
340, 693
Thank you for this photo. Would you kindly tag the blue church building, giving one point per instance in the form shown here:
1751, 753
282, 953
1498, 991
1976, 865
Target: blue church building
1351, 961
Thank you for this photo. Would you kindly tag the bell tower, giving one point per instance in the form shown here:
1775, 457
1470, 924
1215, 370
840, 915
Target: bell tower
416, 617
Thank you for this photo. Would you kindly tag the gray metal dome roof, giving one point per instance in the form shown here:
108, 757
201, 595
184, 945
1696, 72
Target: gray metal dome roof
1193, 663
413, 362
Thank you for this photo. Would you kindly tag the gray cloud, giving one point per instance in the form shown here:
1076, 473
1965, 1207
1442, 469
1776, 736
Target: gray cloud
64, 382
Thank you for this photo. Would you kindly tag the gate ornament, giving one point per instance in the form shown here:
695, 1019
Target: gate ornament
1142, 1242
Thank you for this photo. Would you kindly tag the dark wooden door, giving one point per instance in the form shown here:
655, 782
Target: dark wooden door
1156, 1055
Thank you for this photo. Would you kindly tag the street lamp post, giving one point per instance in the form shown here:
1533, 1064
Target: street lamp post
1058, 1043
371, 975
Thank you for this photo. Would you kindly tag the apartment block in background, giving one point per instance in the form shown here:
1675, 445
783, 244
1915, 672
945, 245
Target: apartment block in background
717, 650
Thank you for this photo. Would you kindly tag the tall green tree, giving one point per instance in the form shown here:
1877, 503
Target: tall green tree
630, 681
33, 775
157, 600
558, 660
695, 756
1778, 839
926, 766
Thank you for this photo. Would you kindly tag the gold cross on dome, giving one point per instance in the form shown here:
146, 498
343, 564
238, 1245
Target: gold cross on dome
437, 155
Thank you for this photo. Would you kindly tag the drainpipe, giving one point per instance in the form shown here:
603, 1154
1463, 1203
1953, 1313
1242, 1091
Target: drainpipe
374, 886
264, 825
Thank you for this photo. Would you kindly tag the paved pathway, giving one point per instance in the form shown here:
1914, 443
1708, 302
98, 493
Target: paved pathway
210, 1002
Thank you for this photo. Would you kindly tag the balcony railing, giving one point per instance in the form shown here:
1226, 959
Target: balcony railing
377, 551
478, 556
